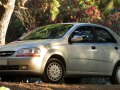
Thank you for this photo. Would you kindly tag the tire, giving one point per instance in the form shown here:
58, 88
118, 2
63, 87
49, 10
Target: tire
54, 71
115, 79
72, 80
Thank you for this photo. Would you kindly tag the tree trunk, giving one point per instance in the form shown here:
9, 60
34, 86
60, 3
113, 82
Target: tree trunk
6, 10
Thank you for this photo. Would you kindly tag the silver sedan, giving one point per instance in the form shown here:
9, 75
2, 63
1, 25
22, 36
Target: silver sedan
57, 51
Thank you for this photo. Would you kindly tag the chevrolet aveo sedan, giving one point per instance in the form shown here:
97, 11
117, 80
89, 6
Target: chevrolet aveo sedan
56, 51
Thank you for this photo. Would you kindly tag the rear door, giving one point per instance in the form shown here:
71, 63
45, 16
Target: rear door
108, 47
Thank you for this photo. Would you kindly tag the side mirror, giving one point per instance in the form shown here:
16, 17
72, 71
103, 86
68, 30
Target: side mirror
77, 38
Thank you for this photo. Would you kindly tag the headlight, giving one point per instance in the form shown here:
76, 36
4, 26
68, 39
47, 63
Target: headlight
31, 52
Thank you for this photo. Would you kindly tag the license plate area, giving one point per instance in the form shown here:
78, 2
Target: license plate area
3, 62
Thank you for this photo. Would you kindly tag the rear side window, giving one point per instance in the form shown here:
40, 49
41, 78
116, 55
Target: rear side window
103, 36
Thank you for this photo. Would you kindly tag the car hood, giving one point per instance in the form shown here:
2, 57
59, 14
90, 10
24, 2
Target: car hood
17, 45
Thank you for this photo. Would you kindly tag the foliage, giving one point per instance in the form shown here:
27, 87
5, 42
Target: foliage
15, 29
114, 22
41, 12
54, 5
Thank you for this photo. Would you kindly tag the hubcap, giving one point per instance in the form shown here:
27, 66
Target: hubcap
54, 71
118, 74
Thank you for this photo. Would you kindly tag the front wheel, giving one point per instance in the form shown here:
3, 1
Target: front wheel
54, 71
115, 79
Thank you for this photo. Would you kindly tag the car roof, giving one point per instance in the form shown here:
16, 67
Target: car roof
89, 24
81, 23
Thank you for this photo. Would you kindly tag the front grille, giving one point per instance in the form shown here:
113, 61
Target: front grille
6, 53
11, 67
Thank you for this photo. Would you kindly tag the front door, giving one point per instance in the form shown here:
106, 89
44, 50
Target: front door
83, 53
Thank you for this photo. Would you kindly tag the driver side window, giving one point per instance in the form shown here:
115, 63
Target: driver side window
82, 34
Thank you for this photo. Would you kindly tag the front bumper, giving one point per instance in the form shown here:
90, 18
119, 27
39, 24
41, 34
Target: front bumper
20, 66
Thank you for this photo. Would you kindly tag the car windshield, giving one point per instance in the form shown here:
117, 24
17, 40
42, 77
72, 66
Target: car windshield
53, 31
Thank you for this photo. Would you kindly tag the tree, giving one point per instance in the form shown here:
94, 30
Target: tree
6, 10
29, 14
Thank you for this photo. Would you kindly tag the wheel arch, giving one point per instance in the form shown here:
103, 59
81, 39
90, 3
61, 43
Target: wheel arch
59, 57
53, 54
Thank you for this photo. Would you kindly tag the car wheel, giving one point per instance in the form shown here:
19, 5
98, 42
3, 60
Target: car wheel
72, 80
115, 79
54, 71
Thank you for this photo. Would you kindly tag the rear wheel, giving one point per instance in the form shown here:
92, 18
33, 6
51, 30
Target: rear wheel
115, 79
54, 71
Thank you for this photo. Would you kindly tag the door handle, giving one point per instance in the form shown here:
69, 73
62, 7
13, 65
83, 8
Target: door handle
116, 48
93, 47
